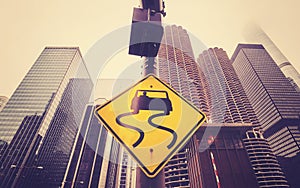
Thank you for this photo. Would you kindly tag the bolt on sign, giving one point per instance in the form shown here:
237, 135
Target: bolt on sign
152, 121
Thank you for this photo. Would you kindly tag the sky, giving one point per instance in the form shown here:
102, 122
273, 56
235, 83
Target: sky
27, 27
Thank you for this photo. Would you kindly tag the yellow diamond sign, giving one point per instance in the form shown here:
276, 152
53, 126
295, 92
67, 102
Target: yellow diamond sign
152, 121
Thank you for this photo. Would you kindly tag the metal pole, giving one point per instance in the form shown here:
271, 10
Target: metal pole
143, 181
149, 66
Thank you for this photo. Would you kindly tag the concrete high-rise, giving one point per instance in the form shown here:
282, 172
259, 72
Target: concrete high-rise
233, 107
275, 102
177, 67
41, 119
3, 101
256, 34
264, 162
230, 103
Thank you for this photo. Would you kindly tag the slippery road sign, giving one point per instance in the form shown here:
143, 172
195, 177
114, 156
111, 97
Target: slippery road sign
152, 121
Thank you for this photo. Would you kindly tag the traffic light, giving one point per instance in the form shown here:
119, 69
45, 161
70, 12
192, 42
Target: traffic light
146, 33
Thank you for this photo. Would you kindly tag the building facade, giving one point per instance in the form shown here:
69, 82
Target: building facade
264, 162
127, 171
177, 67
3, 101
256, 34
230, 103
222, 160
40, 121
55, 150
94, 161
275, 102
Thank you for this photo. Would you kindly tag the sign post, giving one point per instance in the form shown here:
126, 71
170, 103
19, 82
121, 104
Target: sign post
150, 119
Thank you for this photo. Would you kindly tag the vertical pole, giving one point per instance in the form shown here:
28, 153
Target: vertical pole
149, 66
143, 181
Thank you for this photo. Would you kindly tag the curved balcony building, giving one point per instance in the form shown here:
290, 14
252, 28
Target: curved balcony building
265, 165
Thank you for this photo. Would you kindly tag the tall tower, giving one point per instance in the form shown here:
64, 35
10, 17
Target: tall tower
256, 34
234, 109
230, 101
177, 67
45, 81
42, 117
275, 102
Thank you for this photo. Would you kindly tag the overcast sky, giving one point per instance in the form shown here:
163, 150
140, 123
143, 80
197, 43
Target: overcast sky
28, 26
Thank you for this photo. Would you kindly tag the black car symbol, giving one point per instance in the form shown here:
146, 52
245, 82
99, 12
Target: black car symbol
151, 100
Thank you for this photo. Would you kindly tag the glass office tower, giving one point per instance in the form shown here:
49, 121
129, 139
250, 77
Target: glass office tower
40, 120
275, 102
256, 34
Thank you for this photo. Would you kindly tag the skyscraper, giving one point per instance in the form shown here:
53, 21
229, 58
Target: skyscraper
177, 67
41, 119
256, 34
233, 106
275, 102
3, 101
